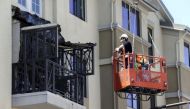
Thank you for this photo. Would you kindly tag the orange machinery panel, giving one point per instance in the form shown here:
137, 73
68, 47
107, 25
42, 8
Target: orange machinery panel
150, 75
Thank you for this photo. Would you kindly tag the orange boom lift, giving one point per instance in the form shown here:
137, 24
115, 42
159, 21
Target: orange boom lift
140, 78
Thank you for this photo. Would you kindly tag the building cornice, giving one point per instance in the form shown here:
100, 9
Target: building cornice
171, 94
166, 10
105, 61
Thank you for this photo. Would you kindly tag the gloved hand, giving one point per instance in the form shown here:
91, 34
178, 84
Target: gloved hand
117, 49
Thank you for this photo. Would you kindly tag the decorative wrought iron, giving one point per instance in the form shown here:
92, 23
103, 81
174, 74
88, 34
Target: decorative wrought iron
45, 65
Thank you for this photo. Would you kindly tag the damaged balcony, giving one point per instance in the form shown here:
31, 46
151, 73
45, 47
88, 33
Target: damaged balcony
51, 72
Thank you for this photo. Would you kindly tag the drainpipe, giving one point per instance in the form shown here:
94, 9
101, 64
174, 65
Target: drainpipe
113, 45
177, 65
112, 22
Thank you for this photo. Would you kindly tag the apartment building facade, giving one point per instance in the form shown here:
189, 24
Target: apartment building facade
178, 63
78, 23
144, 22
101, 22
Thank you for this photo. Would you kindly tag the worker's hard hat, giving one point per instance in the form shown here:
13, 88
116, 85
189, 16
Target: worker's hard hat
124, 36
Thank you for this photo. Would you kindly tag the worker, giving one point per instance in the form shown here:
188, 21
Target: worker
126, 45
141, 62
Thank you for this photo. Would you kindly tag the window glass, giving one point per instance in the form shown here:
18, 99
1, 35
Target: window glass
22, 2
19, 1
125, 15
71, 7
186, 54
130, 19
33, 6
37, 9
129, 101
36, 6
37, 1
133, 22
77, 8
132, 102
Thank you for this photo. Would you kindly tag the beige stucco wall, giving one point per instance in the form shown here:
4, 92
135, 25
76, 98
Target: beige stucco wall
48, 9
121, 103
172, 79
105, 40
5, 55
104, 13
185, 79
145, 104
107, 93
170, 36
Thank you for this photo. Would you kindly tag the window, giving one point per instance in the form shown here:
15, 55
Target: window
125, 15
150, 49
36, 6
133, 101
32, 6
22, 2
130, 19
77, 8
186, 54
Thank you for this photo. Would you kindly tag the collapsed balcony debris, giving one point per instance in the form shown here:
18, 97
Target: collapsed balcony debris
48, 63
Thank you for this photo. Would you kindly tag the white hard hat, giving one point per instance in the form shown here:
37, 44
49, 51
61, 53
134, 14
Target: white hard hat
124, 36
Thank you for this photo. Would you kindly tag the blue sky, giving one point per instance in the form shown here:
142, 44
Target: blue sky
180, 10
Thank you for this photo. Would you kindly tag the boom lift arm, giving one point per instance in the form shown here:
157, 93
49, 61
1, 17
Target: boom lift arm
172, 105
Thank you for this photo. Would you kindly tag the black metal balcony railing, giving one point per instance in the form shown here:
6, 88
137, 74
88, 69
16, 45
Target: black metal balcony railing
44, 65
33, 77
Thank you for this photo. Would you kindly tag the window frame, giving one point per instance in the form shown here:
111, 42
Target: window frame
137, 14
125, 5
24, 8
131, 100
186, 44
40, 7
28, 7
81, 14
151, 42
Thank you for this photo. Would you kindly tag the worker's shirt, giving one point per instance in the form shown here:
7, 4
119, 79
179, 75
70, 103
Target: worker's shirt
127, 46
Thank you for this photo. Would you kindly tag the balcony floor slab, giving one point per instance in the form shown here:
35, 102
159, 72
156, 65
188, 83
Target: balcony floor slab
43, 100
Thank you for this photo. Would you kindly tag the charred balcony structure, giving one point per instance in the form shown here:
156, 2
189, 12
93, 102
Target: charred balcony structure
48, 63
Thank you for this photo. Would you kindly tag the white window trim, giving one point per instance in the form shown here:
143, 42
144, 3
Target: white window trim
24, 8
40, 9
28, 7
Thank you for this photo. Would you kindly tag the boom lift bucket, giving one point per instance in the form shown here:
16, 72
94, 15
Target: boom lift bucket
147, 77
